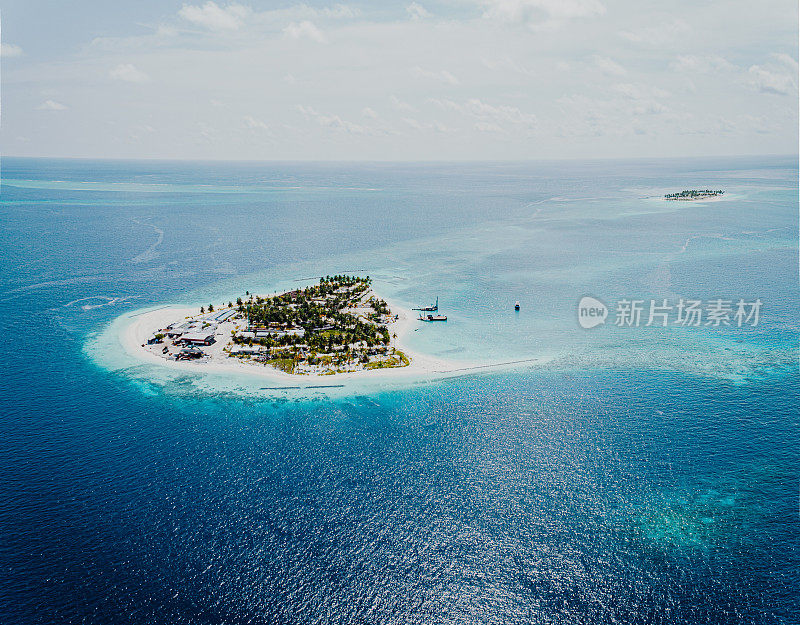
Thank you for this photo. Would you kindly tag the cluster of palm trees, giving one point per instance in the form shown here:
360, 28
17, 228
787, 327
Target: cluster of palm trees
306, 307
320, 311
693, 193
379, 306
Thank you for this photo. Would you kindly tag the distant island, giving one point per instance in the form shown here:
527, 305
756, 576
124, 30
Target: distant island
336, 326
693, 194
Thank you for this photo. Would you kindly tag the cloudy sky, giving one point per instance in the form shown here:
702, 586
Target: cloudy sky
421, 80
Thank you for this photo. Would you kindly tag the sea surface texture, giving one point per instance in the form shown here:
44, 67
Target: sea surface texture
618, 474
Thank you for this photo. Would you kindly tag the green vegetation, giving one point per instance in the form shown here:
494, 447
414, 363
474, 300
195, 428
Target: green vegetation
397, 359
286, 365
334, 325
693, 194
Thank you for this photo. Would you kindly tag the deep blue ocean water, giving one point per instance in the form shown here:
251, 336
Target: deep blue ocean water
627, 475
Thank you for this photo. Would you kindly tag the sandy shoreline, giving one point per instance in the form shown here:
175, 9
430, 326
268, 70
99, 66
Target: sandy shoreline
141, 325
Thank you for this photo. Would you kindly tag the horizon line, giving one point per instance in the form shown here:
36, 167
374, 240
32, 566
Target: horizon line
401, 161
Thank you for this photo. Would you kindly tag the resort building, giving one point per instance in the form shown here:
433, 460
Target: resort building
198, 338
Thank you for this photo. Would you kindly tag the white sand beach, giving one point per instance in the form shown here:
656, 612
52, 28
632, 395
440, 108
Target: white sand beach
142, 325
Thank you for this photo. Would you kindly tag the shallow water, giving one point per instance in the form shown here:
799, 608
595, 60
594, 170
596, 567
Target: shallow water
630, 475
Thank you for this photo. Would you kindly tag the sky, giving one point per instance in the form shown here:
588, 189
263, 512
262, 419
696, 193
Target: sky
422, 80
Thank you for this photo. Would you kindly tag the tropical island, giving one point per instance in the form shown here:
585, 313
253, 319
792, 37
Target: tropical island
336, 326
693, 194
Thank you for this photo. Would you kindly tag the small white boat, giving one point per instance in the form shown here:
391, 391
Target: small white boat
516, 306
432, 308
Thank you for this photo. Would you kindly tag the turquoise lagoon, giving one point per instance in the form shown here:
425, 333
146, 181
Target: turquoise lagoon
618, 474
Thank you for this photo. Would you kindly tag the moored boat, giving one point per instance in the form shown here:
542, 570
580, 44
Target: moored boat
432, 317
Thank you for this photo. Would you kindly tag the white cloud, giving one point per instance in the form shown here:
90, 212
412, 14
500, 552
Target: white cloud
417, 11
214, 17
640, 92
510, 114
337, 11
206, 132
506, 63
144, 129
657, 35
701, 64
642, 100
442, 76
785, 59
163, 30
51, 105
504, 84
771, 81
489, 113
625, 110
301, 12
433, 125
296, 30
747, 123
8, 50
489, 127
778, 76
304, 12
537, 11
129, 73
400, 105
252, 122
332, 121
608, 66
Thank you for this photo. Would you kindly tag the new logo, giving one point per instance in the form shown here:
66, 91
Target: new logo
591, 312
